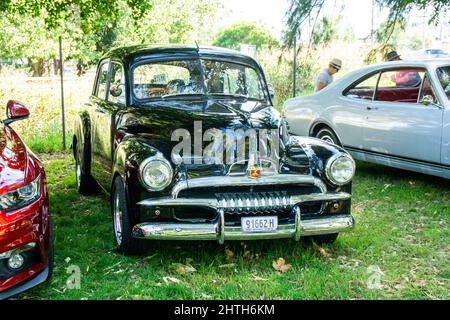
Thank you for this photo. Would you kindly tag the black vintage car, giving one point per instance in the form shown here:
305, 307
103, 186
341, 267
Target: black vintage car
188, 145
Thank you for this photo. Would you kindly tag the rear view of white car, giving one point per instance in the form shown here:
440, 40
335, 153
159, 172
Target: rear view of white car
395, 114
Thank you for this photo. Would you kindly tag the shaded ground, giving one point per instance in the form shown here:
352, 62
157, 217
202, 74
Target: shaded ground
399, 249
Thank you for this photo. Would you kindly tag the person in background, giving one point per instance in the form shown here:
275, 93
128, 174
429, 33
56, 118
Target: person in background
393, 56
403, 78
325, 77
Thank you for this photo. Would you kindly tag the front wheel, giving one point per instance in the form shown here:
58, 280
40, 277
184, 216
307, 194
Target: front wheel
85, 183
122, 225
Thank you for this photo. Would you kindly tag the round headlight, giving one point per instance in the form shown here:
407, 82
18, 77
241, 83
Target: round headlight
340, 169
156, 174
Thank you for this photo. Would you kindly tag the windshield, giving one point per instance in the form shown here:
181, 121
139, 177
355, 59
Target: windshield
196, 77
444, 79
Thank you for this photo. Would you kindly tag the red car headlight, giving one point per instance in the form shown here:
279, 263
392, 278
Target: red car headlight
22, 196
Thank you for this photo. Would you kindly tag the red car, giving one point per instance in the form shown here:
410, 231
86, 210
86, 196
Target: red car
26, 245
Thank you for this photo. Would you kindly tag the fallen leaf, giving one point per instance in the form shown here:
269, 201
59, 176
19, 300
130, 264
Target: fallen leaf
228, 265
320, 252
256, 278
180, 269
248, 255
67, 260
280, 265
189, 269
170, 280
229, 253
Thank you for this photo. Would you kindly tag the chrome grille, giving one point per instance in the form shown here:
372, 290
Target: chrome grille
256, 202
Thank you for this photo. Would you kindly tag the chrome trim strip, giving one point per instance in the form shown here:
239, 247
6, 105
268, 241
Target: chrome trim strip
226, 181
298, 223
221, 227
217, 231
215, 204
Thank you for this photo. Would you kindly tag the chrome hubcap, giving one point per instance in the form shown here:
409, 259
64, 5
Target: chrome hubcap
117, 212
328, 139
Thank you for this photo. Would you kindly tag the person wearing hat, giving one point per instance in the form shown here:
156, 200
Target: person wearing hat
393, 56
325, 77
403, 78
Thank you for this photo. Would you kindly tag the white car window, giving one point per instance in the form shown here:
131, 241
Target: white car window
401, 85
363, 89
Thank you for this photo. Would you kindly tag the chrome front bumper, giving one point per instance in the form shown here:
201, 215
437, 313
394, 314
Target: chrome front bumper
218, 231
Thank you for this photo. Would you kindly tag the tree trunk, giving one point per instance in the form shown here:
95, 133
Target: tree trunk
38, 67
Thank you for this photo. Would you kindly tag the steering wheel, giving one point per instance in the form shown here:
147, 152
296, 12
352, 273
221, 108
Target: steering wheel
175, 84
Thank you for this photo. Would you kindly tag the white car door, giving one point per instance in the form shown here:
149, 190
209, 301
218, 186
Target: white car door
398, 124
349, 115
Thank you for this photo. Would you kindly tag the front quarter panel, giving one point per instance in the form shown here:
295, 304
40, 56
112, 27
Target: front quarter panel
318, 152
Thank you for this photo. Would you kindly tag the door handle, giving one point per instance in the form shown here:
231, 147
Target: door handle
371, 108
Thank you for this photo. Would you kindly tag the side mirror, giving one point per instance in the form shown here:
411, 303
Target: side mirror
15, 111
116, 90
428, 100
271, 91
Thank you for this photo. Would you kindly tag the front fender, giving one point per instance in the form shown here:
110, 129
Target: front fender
318, 152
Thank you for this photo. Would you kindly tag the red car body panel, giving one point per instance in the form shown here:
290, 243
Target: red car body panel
31, 223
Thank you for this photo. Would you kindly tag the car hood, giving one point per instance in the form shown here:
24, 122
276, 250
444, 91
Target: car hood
157, 123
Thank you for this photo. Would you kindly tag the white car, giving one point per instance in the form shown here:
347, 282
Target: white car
432, 53
395, 114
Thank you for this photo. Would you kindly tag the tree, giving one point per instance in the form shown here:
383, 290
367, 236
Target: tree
248, 33
301, 10
89, 30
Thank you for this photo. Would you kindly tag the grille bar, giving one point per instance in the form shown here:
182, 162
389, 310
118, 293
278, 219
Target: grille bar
254, 202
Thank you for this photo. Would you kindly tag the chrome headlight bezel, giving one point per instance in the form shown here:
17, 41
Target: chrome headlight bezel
22, 196
147, 165
329, 168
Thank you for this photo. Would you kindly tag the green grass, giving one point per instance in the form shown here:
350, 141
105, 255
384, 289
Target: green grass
402, 227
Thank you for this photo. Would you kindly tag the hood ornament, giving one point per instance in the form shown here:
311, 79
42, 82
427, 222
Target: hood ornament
253, 171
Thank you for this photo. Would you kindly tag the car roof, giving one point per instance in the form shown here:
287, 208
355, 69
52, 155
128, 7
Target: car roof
432, 62
422, 63
131, 53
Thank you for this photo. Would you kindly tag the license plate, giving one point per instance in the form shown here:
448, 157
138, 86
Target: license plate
259, 224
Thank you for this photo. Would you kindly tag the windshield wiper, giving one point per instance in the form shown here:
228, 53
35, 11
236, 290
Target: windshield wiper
181, 95
223, 95
235, 96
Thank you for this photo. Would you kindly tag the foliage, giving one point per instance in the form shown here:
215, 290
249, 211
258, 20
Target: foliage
90, 28
89, 15
301, 10
248, 33
407, 240
400, 8
324, 33
298, 13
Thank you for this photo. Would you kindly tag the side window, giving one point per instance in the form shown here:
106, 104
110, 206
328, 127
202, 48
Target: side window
117, 84
254, 88
232, 81
427, 89
402, 85
102, 80
363, 89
